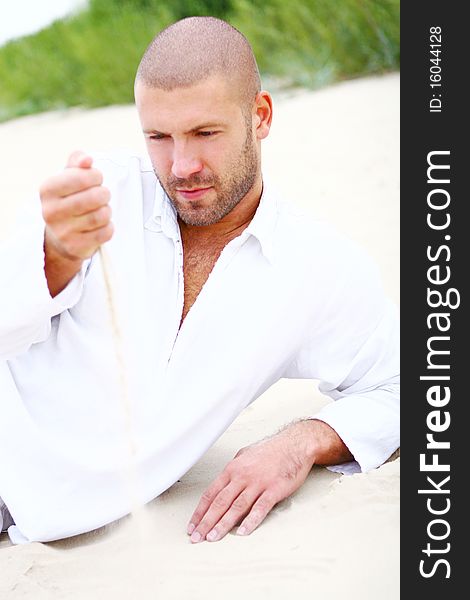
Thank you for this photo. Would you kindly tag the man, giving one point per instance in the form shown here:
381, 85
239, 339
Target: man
220, 289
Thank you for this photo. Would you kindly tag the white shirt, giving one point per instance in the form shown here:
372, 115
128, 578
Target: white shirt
289, 297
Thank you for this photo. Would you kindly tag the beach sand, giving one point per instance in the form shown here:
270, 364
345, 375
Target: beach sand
335, 152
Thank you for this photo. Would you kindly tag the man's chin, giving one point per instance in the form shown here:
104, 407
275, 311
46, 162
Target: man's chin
196, 219
195, 213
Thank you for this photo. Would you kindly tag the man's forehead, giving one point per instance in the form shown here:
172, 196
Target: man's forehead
211, 101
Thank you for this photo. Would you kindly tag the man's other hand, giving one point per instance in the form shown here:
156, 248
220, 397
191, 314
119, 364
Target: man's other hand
260, 476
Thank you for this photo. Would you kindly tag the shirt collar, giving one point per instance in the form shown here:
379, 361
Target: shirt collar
163, 217
262, 226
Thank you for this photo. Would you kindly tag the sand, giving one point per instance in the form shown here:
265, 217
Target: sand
335, 151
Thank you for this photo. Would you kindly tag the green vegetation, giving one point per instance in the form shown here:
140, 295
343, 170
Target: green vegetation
90, 59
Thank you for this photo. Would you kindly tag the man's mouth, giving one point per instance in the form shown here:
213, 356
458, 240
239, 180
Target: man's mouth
193, 193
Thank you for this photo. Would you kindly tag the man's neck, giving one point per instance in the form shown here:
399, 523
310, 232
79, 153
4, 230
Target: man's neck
230, 226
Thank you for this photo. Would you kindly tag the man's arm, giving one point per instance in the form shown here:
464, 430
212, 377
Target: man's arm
261, 475
352, 349
55, 234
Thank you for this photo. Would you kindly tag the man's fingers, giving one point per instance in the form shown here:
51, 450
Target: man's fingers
257, 514
206, 500
79, 159
93, 198
70, 181
94, 219
77, 204
239, 508
209, 512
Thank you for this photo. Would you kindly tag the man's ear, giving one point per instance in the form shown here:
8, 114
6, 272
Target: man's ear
263, 112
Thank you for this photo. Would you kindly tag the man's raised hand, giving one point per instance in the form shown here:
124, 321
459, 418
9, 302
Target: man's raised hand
75, 208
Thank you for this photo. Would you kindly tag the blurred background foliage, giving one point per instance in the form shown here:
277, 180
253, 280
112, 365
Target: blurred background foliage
90, 58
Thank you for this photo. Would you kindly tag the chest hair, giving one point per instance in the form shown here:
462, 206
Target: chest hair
198, 263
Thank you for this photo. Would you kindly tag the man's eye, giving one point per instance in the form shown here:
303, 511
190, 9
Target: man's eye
157, 136
206, 133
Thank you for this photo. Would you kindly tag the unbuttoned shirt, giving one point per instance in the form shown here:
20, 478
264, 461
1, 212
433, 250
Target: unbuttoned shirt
94, 420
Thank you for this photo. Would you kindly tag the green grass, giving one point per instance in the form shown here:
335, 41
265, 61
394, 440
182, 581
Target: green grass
321, 41
90, 59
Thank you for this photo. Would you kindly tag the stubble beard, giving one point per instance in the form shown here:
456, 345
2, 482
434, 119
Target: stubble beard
230, 190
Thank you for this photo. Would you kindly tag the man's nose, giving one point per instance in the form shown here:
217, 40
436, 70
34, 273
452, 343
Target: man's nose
185, 162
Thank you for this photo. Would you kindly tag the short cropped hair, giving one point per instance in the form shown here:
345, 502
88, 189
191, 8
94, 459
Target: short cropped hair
193, 49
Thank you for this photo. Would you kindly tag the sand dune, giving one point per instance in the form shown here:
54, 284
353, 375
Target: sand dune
336, 153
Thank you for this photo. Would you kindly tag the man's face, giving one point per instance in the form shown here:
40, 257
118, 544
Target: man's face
201, 146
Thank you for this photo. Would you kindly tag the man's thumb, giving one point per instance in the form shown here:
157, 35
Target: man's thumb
79, 159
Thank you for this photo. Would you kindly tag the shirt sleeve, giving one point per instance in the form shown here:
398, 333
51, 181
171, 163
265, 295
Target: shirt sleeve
26, 306
367, 416
353, 349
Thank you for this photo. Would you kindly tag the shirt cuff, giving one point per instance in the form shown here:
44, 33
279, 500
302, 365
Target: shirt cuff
349, 468
368, 424
70, 295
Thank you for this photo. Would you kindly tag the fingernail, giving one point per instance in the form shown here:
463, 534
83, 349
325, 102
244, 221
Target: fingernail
196, 537
191, 528
241, 530
212, 535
